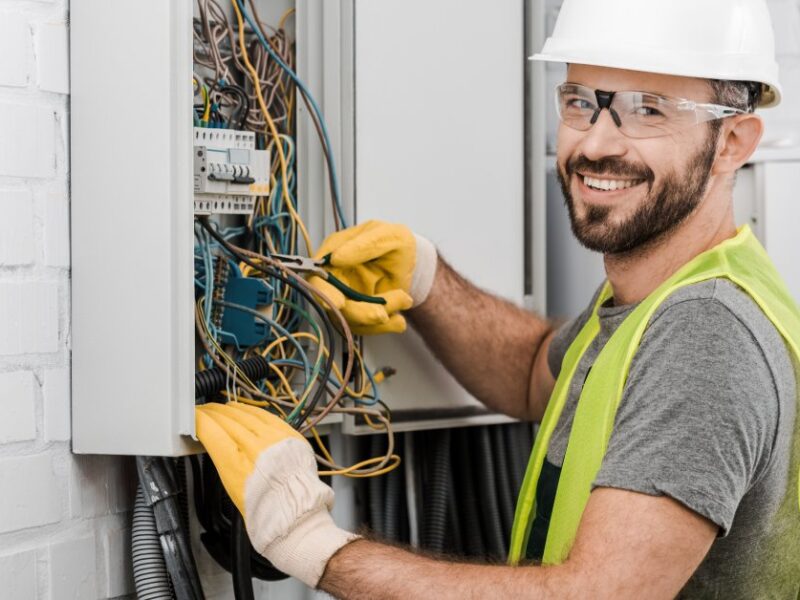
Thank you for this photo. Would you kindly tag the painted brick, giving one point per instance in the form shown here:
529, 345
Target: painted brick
31, 492
16, 50
16, 227
28, 133
88, 496
56, 392
17, 407
117, 555
72, 570
18, 575
52, 57
56, 231
28, 317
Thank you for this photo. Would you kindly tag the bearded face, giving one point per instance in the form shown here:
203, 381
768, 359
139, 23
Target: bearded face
666, 200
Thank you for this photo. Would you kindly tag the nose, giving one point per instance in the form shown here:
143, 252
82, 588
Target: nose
603, 139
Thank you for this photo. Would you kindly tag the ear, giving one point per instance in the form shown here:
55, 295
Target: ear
739, 138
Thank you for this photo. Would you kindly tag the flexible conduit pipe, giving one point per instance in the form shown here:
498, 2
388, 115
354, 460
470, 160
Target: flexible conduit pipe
518, 450
492, 524
456, 543
436, 507
470, 516
149, 570
391, 515
376, 491
504, 484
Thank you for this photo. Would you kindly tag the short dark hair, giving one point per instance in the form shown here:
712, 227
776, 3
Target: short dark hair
744, 95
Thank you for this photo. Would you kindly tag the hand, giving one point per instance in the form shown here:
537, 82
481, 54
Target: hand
378, 259
270, 473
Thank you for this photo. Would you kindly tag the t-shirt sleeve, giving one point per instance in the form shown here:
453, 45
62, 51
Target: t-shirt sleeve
698, 415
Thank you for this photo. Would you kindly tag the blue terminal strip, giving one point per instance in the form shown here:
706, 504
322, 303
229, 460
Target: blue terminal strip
239, 327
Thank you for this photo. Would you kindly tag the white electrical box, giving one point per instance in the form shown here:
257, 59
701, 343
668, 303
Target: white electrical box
430, 109
132, 213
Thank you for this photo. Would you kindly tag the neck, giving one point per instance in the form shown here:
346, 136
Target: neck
633, 276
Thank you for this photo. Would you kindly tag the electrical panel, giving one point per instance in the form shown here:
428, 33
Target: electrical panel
149, 288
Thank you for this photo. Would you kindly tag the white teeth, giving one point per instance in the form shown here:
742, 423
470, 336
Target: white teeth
610, 185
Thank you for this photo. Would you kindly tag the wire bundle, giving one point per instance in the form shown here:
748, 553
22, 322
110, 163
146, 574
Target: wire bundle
244, 79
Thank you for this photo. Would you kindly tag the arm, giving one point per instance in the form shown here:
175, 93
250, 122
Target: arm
629, 545
495, 349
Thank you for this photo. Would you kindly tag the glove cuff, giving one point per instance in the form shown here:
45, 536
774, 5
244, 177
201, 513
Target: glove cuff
424, 270
305, 551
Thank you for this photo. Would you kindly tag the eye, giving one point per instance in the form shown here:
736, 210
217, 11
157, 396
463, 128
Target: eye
648, 111
578, 104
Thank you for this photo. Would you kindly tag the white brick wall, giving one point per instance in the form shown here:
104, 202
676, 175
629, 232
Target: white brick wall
64, 519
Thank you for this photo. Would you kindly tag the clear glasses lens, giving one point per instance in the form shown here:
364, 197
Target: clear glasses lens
638, 114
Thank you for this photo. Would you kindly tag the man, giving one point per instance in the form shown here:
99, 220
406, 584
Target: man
667, 459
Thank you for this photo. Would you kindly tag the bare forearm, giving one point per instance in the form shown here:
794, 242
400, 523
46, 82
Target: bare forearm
369, 570
487, 343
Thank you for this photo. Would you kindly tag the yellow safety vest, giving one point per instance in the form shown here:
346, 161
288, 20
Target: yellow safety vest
743, 261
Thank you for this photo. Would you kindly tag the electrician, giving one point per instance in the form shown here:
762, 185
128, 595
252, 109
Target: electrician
667, 408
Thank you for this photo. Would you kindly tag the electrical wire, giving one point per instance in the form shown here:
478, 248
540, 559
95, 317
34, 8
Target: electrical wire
244, 77
241, 10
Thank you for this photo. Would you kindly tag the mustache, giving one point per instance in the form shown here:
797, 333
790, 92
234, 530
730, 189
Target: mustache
609, 165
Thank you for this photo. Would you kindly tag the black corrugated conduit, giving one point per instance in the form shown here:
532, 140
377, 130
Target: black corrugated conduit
518, 450
376, 485
455, 543
212, 381
466, 483
150, 575
470, 515
487, 492
437, 491
393, 496
503, 484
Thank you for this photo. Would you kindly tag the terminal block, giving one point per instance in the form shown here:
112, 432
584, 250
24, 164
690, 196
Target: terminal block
229, 173
245, 298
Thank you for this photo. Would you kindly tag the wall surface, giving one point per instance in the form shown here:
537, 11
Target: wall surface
63, 519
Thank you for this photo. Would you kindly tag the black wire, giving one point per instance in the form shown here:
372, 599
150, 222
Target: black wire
243, 107
329, 330
240, 560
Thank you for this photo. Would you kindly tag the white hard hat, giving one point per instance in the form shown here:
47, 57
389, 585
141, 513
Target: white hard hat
711, 39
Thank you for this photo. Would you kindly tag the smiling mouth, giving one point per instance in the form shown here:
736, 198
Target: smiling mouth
610, 185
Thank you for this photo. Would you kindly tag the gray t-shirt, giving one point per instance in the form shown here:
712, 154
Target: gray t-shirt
708, 418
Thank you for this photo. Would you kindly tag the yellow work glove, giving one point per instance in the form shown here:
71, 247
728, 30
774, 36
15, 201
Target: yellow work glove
378, 259
270, 473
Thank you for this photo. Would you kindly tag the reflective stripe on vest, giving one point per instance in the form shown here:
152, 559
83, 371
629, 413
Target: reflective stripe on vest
743, 261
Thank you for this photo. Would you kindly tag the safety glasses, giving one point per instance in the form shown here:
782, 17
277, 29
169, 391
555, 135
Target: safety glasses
636, 114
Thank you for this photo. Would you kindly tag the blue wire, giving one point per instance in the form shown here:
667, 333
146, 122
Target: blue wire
293, 75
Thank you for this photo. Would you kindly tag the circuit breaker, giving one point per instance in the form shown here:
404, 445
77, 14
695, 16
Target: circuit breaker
229, 173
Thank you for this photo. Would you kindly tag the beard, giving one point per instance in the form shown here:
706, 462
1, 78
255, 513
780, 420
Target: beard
665, 207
